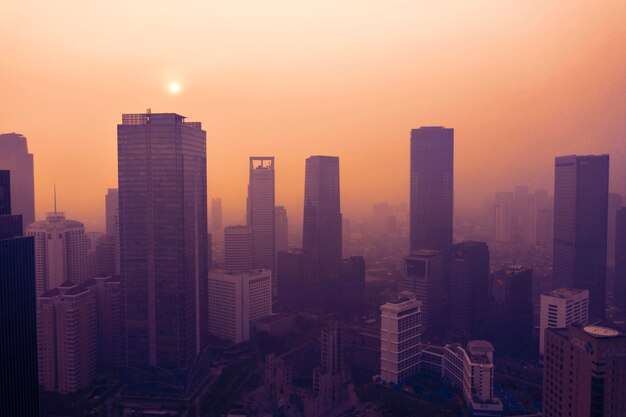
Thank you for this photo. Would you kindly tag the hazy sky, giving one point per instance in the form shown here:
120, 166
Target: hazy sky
519, 81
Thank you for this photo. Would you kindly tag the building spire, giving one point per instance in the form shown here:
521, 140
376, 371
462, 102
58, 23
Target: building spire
55, 198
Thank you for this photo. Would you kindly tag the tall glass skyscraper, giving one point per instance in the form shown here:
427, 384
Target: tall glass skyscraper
261, 218
14, 157
163, 238
321, 234
432, 188
581, 190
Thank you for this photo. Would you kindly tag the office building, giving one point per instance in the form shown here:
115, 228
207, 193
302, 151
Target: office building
14, 157
292, 294
60, 251
237, 300
468, 288
19, 392
432, 188
424, 278
5, 193
282, 229
503, 212
261, 217
615, 203
352, 285
511, 289
111, 202
560, 308
216, 215
321, 238
619, 293
400, 338
163, 238
581, 188
238, 248
584, 372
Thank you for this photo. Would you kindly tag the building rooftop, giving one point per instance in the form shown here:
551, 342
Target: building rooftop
563, 292
424, 253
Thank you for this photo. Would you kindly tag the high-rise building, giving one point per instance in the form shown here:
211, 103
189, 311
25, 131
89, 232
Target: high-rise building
105, 262
584, 372
111, 202
238, 248
290, 274
468, 288
619, 294
163, 238
14, 157
19, 392
424, 278
503, 212
560, 308
581, 188
282, 229
261, 217
60, 251
615, 203
400, 338
5, 193
511, 289
110, 321
237, 300
216, 215
67, 337
352, 285
321, 232
432, 188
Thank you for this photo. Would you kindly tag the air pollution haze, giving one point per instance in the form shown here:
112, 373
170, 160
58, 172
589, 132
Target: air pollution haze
520, 82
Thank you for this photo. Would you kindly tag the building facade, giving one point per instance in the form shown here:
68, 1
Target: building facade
560, 308
282, 228
238, 248
261, 216
424, 278
14, 157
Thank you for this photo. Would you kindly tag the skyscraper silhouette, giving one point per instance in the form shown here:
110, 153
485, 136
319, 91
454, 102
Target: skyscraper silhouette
261, 212
14, 157
581, 188
282, 228
432, 188
216, 215
163, 238
321, 234
111, 201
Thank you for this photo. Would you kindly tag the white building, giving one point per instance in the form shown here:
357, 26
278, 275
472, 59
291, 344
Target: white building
400, 338
238, 248
237, 300
60, 251
560, 308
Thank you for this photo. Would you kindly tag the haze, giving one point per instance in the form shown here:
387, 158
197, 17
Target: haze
520, 82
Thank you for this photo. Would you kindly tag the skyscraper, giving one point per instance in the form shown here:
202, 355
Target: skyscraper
619, 294
321, 233
511, 289
584, 372
14, 157
163, 238
111, 201
5, 192
581, 188
503, 212
261, 217
238, 248
432, 188
282, 229
615, 203
60, 251
19, 393
216, 215
424, 278
468, 288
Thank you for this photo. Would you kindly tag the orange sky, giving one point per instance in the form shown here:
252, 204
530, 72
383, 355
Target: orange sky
519, 81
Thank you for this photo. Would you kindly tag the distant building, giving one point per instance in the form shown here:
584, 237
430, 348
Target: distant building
583, 372
424, 278
615, 203
60, 251
19, 391
561, 308
261, 216
511, 289
238, 248
619, 295
503, 212
14, 157
216, 215
581, 189
322, 231
278, 379
292, 294
432, 188
5, 193
237, 300
400, 338
468, 288
282, 229
105, 256
112, 204
352, 285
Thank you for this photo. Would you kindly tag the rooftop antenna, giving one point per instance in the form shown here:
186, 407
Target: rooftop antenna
55, 198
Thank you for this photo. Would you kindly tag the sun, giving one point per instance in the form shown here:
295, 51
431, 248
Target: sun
174, 88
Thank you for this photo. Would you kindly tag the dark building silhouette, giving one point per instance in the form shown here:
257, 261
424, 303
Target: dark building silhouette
163, 238
261, 218
511, 289
14, 157
424, 277
111, 202
321, 234
105, 256
209, 245
432, 188
19, 395
619, 296
581, 188
292, 293
216, 215
5, 193
615, 203
352, 285
282, 228
238, 248
468, 288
